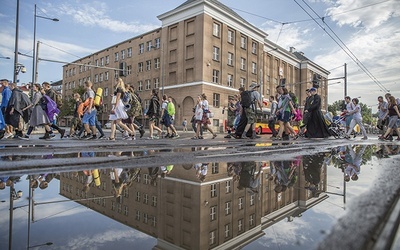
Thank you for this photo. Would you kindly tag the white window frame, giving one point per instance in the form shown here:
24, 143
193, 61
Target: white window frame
140, 67
157, 63
148, 65
243, 42
227, 208
213, 213
253, 67
141, 48
231, 36
230, 59
254, 47
215, 77
242, 63
216, 29
215, 53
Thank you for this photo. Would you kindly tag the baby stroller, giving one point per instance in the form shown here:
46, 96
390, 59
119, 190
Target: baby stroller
335, 126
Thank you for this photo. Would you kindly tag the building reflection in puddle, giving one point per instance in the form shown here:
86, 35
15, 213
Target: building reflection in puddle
193, 206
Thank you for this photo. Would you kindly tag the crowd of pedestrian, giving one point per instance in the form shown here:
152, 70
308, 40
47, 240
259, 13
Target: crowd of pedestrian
243, 109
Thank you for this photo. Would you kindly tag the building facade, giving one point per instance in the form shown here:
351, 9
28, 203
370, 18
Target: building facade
202, 47
182, 212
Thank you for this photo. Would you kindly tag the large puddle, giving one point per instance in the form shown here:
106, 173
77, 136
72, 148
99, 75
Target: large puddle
280, 204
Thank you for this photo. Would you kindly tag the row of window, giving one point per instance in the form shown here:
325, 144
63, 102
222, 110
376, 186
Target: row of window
146, 199
243, 61
231, 38
228, 207
228, 231
117, 56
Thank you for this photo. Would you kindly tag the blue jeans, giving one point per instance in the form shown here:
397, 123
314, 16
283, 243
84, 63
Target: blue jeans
90, 118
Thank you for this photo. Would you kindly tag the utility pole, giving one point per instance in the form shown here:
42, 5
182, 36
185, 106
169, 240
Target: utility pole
345, 80
16, 45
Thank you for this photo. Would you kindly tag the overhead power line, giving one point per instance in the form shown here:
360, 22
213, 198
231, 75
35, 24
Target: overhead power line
344, 47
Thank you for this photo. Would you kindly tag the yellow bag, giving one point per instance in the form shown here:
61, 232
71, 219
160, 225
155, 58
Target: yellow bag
97, 99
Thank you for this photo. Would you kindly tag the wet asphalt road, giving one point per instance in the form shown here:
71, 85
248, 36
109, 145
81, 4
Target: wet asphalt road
66, 153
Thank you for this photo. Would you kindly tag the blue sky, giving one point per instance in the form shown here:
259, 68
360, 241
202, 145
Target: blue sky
369, 28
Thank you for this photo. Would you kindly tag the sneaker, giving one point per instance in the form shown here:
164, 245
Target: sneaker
25, 137
101, 137
45, 137
94, 137
111, 139
364, 138
215, 135
244, 136
177, 136
141, 131
85, 137
8, 135
227, 136
201, 137
62, 133
52, 135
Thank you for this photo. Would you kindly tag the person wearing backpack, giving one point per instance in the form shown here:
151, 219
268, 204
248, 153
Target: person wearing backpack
166, 117
153, 113
134, 110
38, 116
53, 95
250, 100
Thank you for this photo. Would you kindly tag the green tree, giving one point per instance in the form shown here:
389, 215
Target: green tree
335, 107
69, 103
365, 111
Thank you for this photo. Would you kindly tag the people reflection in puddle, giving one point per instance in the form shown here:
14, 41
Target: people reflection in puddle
119, 179
45, 179
234, 171
201, 170
249, 177
166, 170
34, 182
284, 174
3, 180
353, 160
312, 173
153, 173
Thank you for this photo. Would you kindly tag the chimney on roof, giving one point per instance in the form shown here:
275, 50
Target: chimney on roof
292, 49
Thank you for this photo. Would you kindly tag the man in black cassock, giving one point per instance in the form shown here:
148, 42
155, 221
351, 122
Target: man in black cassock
316, 126
15, 115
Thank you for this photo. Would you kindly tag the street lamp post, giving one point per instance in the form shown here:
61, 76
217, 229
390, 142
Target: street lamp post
34, 64
16, 44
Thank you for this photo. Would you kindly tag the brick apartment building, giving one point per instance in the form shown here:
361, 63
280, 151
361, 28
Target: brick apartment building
202, 46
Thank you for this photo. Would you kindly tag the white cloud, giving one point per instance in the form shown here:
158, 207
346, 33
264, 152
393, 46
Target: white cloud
369, 17
378, 52
96, 15
288, 35
109, 236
